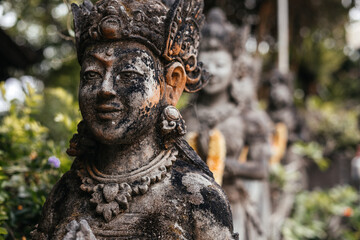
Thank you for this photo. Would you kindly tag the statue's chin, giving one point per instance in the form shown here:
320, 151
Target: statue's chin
107, 141
119, 136
111, 136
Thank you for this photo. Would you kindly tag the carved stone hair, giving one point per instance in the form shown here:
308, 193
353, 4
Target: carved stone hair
171, 29
219, 34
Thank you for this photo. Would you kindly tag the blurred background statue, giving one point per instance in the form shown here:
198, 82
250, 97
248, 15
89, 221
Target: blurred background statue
134, 176
226, 115
288, 130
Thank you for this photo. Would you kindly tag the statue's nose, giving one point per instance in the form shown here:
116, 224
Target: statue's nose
211, 68
107, 87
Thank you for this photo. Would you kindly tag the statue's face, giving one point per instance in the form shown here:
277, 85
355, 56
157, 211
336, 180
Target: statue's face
220, 65
119, 92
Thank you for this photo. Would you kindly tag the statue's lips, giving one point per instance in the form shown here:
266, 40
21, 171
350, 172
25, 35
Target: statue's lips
107, 112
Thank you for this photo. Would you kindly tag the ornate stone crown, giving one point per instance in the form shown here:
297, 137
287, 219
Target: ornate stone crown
169, 28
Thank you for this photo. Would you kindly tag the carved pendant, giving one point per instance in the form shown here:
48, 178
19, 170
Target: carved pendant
111, 194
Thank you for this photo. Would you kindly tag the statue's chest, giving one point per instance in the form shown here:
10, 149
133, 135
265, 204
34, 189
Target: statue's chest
125, 226
141, 226
137, 226
159, 214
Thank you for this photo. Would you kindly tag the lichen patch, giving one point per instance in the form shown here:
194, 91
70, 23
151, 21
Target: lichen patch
194, 184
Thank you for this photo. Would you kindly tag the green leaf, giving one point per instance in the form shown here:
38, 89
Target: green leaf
3, 231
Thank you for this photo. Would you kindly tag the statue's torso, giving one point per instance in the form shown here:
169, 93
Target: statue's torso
185, 204
227, 119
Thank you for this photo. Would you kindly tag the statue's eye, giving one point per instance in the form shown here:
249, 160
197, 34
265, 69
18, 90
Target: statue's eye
220, 65
129, 75
91, 75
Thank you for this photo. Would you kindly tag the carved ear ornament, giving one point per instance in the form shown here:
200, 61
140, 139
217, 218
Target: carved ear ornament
172, 125
170, 29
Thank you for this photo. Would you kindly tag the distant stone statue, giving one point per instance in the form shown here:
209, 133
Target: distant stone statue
134, 177
228, 104
289, 129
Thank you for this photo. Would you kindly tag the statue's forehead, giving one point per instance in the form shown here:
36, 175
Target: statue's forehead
120, 51
120, 55
117, 48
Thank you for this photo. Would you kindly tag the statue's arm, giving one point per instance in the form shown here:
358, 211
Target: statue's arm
245, 170
256, 166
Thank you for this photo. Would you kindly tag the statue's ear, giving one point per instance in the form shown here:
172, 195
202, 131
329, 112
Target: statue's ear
175, 82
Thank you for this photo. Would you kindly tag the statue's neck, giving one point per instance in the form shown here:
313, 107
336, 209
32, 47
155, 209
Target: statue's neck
119, 159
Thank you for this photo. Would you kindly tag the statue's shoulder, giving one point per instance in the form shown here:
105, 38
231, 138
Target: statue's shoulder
233, 127
66, 186
209, 204
57, 203
258, 122
200, 190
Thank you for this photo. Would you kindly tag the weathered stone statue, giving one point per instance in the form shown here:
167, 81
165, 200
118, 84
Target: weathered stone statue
282, 111
281, 106
134, 177
228, 104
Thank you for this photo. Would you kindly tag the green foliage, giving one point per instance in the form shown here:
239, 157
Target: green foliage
321, 56
332, 124
67, 77
331, 215
313, 151
346, 84
26, 144
46, 26
57, 112
280, 177
184, 101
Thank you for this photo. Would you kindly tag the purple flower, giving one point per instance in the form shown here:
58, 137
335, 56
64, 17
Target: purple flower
54, 161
